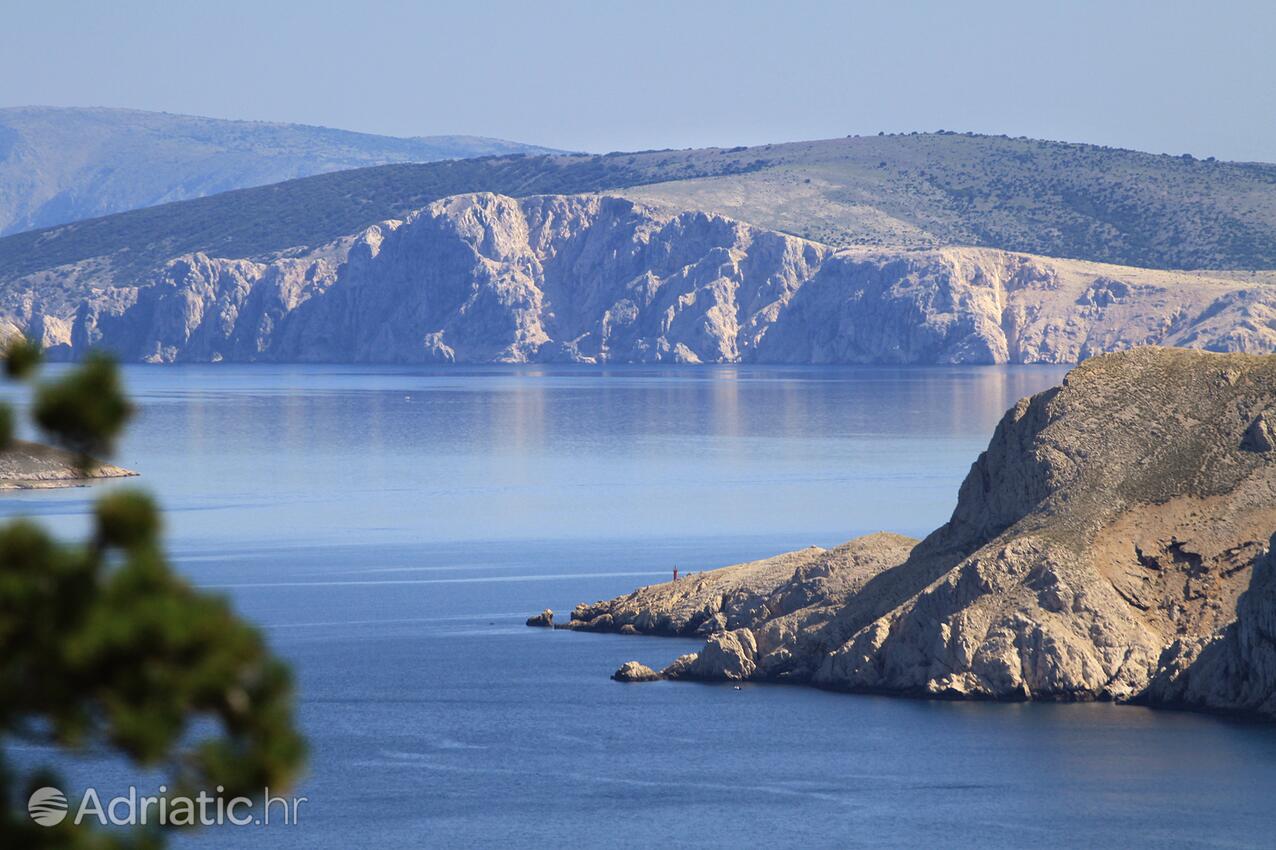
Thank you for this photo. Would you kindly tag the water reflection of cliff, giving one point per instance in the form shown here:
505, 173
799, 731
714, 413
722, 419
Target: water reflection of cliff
570, 451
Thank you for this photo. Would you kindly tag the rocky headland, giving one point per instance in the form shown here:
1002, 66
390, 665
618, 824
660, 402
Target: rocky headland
592, 279
1112, 543
34, 466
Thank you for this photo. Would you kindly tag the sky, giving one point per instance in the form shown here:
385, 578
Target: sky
1166, 77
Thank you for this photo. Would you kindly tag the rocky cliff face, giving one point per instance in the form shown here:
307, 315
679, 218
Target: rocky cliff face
1098, 551
486, 278
1233, 669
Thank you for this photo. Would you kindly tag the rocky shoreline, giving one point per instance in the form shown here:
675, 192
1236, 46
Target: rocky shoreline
1112, 543
33, 466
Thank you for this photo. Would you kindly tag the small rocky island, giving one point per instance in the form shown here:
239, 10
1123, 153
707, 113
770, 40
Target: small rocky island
1114, 542
33, 466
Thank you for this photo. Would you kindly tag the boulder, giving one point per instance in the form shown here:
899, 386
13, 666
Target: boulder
633, 671
543, 620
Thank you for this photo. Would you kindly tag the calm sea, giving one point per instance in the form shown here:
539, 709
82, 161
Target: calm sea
391, 528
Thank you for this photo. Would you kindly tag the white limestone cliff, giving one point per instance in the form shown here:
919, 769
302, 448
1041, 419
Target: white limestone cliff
487, 278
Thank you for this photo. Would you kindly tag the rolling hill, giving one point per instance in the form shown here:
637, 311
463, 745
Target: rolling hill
64, 164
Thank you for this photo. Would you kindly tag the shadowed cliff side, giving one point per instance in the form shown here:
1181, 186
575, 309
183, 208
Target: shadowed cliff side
1233, 669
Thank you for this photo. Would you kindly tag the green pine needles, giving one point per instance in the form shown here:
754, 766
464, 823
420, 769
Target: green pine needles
104, 646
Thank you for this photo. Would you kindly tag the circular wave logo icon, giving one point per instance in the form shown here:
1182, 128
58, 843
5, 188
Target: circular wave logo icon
47, 806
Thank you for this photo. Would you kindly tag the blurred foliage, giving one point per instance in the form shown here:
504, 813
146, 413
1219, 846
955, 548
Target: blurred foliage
103, 646
21, 357
85, 410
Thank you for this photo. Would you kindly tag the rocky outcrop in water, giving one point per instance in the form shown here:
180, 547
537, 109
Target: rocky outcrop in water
746, 594
1099, 549
632, 671
543, 620
33, 466
487, 278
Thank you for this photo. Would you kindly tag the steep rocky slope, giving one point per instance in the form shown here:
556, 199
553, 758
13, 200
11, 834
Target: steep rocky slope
483, 278
1098, 550
1233, 669
64, 164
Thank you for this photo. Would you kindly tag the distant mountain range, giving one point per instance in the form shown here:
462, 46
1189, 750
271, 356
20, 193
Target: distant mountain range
902, 191
59, 165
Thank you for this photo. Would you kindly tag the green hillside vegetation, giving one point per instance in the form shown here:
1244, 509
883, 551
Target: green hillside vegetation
1052, 198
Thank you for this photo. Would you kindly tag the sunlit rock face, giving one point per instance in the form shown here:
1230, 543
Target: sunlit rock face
1112, 542
487, 278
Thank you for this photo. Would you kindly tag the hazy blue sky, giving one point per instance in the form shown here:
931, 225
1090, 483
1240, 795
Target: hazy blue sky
1161, 76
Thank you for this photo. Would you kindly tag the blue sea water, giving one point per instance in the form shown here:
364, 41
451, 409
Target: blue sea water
391, 528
